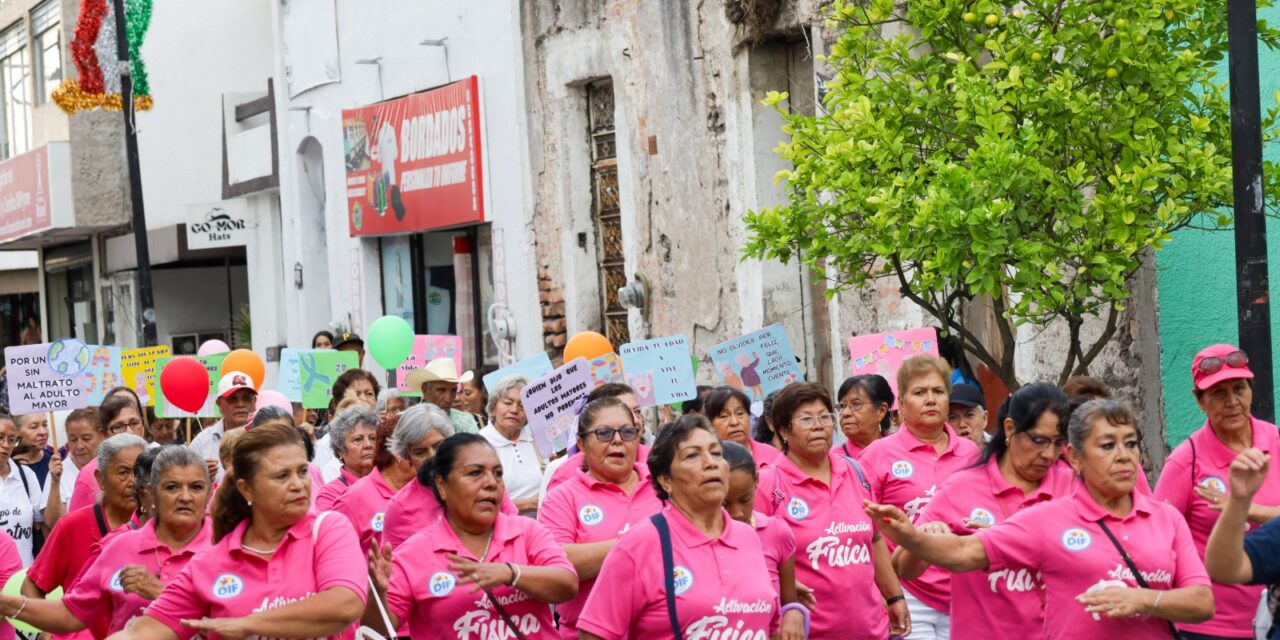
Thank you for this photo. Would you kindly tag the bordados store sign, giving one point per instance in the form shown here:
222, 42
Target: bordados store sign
414, 163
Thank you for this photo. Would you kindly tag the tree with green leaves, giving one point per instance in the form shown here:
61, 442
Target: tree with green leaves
1030, 153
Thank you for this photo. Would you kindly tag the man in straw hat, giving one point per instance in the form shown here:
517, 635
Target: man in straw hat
439, 382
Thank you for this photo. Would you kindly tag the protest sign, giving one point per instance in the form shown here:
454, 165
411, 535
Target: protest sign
530, 368
605, 369
660, 370
426, 349
318, 370
883, 353
291, 374
138, 368
758, 363
47, 377
103, 373
550, 402
212, 364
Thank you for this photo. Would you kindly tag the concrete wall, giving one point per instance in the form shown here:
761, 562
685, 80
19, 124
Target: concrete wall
194, 309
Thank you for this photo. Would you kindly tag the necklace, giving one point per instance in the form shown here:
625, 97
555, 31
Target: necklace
486, 546
264, 552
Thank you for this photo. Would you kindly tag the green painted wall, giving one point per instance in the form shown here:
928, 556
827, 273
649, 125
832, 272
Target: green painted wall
1196, 286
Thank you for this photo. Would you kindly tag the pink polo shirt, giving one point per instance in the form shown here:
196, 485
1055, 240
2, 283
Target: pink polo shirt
905, 472
1062, 540
851, 449
565, 471
1234, 605
10, 563
228, 582
833, 537
779, 545
583, 510
365, 505
1005, 603
721, 585
425, 593
85, 491
98, 593
334, 490
765, 455
414, 508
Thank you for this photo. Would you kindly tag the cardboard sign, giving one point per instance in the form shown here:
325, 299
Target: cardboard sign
318, 370
605, 369
103, 373
660, 371
212, 364
550, 401
530, 368
47, 377
426, 349
884, 353
758, 363
138, 368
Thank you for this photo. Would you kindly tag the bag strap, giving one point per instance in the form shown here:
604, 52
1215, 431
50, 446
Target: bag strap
668, 571
1137, 575
497, 606
861, 476
102, 520
1192, 442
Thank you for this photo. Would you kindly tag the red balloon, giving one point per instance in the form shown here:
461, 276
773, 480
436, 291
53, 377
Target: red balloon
184, 381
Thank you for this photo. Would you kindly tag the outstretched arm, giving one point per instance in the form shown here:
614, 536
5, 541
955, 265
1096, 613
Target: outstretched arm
1224, 554
949, 551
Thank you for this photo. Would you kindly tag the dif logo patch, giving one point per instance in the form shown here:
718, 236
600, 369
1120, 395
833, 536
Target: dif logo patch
591, 515
441, 584
379, 519
682, 579
1076, 539
982, 516
798, 509
115, 580
902, 469
1215, 483
227, 585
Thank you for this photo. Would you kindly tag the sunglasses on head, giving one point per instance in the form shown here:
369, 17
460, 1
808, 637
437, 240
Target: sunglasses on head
605, 434
1235, 360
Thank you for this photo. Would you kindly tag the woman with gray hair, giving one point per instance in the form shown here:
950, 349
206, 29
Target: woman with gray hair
353, 434
1114, 562
507, 431
389, 404
135, 565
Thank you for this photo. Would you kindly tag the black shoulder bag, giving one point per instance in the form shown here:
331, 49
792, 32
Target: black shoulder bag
1137, 575
668, 571
37, 528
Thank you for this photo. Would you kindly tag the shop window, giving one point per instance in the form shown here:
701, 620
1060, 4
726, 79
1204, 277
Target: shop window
46, 25
15, 105
607, 210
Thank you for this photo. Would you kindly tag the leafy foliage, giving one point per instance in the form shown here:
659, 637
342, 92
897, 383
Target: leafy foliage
1031, 152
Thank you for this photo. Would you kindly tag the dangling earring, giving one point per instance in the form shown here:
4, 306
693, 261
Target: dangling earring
250, 502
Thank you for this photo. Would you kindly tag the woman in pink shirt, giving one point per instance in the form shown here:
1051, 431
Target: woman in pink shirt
718, 581
275, 569
476, 572
905, 469
353, 436
1115, 563
865, 404
818, 493
1018, 470
1196, 475
600, 502
728, 409
775, 536
135, 564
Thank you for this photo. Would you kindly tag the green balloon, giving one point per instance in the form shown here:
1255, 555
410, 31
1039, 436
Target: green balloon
390, 341
14, 588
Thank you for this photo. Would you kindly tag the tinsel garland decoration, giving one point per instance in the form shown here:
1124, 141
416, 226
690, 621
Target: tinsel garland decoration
93, 49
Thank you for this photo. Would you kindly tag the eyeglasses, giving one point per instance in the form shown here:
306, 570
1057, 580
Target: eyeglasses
1041, 442
1235, 360
11, 441
824, 419
852, 406
120, 427
606, 434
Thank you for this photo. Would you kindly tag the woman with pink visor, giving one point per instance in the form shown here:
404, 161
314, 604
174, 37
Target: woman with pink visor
1115, 562
1195, 479
134, 565
275, 569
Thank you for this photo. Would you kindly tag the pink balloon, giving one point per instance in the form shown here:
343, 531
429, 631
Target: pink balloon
212, 347
273, 398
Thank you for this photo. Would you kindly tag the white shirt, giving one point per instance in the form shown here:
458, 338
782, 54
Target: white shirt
206, 444
521, 464
20, 509
68, 482
330, 465
546, 476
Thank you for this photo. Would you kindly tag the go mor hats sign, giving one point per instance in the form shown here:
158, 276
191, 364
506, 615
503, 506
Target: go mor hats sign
226, 223
415, 162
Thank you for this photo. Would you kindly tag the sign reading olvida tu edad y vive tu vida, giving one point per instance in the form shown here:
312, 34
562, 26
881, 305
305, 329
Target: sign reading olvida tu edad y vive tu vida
226, 223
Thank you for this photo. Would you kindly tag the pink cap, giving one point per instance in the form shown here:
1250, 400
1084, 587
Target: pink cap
1227, 372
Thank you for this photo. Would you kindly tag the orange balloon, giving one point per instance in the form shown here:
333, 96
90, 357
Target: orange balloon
246, 362
588, 344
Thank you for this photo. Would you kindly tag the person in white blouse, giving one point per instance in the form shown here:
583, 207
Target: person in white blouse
509, 434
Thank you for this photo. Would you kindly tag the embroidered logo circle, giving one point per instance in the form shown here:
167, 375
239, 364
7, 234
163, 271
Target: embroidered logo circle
798, 509
227, 585
591, 515
983, 516
379, 519
1076, 539
115, 584
441, 584
902, 469
1215, 483
682, 579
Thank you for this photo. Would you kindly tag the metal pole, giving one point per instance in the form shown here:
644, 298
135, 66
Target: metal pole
1252, 288
135, 179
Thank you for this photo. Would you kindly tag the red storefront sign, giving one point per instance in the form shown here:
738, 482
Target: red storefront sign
414, 163
24, 194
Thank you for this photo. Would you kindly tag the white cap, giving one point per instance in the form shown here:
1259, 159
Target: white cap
233, 381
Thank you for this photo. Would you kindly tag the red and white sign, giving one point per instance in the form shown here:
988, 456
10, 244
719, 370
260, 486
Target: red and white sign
24, 194
414, 163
